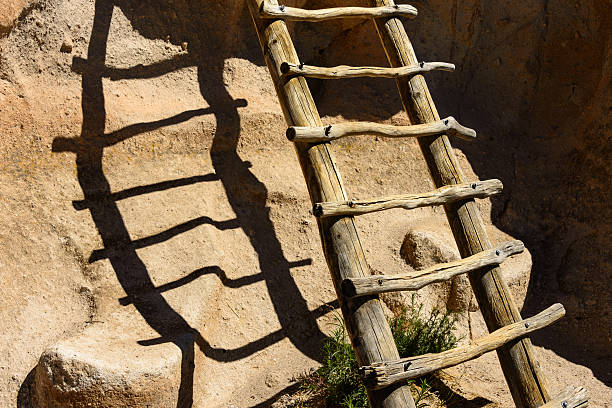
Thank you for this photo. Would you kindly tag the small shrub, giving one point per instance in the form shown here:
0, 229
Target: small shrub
415, 336
338, 381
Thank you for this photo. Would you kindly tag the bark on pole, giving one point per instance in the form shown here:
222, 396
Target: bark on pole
519, 365
364, 317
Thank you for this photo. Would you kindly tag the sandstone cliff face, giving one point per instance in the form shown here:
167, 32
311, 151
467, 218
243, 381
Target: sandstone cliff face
155, 230
534, 80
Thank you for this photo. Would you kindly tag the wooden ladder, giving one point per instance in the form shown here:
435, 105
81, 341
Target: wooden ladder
384, 373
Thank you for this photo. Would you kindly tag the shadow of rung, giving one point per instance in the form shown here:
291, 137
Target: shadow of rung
83, 66
301, 262
231, 283
80, 205
121, 247
220, 354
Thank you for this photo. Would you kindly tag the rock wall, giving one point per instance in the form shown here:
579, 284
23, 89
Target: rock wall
154, 213
535, 81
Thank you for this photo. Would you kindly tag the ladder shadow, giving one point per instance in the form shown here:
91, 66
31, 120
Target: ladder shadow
208, 49
247, 196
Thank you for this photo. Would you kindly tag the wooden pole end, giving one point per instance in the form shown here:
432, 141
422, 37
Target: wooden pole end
291, 133
285, 68
348, 288
317, 210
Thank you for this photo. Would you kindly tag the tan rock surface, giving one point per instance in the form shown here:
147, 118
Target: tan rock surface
156, 246
10, 10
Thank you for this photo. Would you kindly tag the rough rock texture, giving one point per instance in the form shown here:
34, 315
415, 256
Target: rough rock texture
10, 10
422, 249
156, 244
70, 375
535, 81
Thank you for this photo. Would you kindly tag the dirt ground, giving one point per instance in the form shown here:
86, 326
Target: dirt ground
157, 248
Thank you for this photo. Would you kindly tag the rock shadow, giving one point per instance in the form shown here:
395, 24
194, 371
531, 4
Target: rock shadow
543, 119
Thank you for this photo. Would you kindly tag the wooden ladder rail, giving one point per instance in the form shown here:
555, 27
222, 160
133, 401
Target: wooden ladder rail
358, 292
364, 317
520, 367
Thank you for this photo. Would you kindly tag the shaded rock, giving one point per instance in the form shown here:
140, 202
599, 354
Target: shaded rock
584, 276
67, 44
422, 249
9, 12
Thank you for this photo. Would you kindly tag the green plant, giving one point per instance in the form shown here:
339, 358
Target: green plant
338, 381
415, 336
422, 390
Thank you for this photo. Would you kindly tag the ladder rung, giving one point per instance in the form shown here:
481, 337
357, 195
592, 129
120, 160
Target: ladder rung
383, 374
440, 196
573, 397
269, 10
345, 71
375, 284
315, 134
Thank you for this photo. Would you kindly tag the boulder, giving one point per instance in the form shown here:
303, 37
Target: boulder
10, 10
425, 248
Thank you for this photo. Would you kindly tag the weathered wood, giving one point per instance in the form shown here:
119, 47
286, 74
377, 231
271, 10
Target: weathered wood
518, 362
365, 320
345, 71
573, 397
385, 373
269, 10
448, 126
376, 284
440, 196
